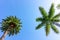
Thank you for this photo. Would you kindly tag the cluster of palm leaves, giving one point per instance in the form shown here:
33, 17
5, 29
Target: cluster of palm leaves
11, 24
48, 19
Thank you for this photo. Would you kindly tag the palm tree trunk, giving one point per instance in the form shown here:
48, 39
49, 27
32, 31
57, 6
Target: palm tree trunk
5, 33
3, 36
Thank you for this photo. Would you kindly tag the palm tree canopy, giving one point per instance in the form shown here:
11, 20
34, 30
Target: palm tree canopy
48, 19
12, 23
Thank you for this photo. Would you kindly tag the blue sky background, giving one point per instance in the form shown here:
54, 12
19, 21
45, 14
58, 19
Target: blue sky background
27, 11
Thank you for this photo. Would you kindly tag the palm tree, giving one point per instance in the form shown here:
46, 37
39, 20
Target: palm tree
48, 20
11, 26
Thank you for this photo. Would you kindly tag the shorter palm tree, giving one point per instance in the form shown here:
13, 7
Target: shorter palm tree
10, 25
48, 20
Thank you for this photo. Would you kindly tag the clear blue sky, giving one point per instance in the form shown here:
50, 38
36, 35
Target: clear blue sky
27, 11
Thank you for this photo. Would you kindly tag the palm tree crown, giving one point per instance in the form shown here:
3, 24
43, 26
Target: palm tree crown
48, 19
11, 24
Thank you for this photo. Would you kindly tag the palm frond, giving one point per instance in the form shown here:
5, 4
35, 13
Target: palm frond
43, 12
54, 29
56, 16
51, 11
56, 20
39, 19
39, 26
47, 28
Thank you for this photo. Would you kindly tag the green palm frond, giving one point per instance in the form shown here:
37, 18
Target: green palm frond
54, 28
43, 12
51, 11
39, 26
47, 28
55, 20
56, 16
12, 24
39, 19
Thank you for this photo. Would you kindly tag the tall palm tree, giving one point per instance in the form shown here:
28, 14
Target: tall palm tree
11, 26
48, 20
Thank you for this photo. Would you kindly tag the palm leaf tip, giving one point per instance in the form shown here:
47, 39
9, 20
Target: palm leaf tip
43, 12
47, 29
55, 29
51, 11
39, 19
39, 26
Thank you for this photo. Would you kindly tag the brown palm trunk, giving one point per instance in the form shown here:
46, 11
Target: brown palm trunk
3, 36
5, 33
